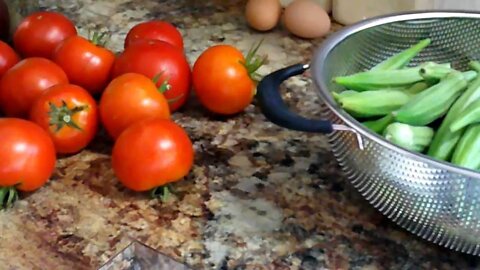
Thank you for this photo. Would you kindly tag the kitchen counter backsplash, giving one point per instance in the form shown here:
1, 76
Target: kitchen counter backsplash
258, 196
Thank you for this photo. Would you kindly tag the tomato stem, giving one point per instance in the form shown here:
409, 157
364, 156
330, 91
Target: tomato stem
63, 116
165, 86
8, 196
160, 192
99, 39
253, 62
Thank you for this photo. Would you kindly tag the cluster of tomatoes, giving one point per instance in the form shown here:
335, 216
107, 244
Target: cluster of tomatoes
58, 89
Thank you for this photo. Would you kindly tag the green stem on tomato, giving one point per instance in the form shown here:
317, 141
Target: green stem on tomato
8, 196
165, 86
99, 39
161, 192
253, 62
61, 116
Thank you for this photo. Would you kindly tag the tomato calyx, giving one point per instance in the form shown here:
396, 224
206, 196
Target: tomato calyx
165, 86
8, 196
63, 116
163, 193
99, 39
253, 62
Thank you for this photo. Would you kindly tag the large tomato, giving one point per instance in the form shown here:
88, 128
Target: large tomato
130, 98
25, 82
69, 114
86, 63
222, 79
27, 155
152, 58
152, 153
156, 30
8, 58
39, 33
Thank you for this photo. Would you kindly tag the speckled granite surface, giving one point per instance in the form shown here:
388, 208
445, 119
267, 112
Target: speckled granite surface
259, 196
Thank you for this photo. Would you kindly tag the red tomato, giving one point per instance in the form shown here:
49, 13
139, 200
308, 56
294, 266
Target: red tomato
221, 82
27, 154
8, 58
69, 114
152, 153
152, 58
156, 30
25, 82
130, 98
85, 63
39, 33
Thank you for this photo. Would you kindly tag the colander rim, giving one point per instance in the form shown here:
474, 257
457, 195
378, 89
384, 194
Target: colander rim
319, 79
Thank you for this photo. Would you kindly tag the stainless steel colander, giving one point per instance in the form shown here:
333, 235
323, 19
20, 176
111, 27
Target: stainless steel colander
432, 199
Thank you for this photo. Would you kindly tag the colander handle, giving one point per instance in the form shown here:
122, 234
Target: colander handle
275, 109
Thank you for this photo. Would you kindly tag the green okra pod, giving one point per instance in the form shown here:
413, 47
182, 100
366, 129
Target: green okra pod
381, 79
379, 125
470, 75
469, 116
372, 80
432, 103
337, 96
417, 88
373, 103
467, 150
475, 65
414, 138
444, 140
404, 57
435, 72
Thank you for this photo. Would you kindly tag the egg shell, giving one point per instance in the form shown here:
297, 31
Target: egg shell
306, 19
263, 15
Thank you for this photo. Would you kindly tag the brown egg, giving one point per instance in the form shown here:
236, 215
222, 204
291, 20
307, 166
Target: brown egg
306, 19
263, 15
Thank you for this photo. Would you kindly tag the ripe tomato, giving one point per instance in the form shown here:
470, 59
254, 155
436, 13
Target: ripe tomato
86, 63
69, 114
39, 33
221, 80
152, 153
24, 82
152, 58
130, 98
8, 58
156, 30
27, 154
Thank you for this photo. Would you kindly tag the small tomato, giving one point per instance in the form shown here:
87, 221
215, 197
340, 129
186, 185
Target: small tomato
21, 85
156, 30
87, 63
69, 114
223, 80
151, 154
39, 33
8, 58
130, 98
160, 60
27, 156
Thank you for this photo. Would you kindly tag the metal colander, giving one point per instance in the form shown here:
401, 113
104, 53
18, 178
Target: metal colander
434, 200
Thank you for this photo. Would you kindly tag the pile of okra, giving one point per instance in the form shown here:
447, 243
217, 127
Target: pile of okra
430, 108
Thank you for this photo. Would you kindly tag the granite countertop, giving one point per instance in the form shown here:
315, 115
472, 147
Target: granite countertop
258, 197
